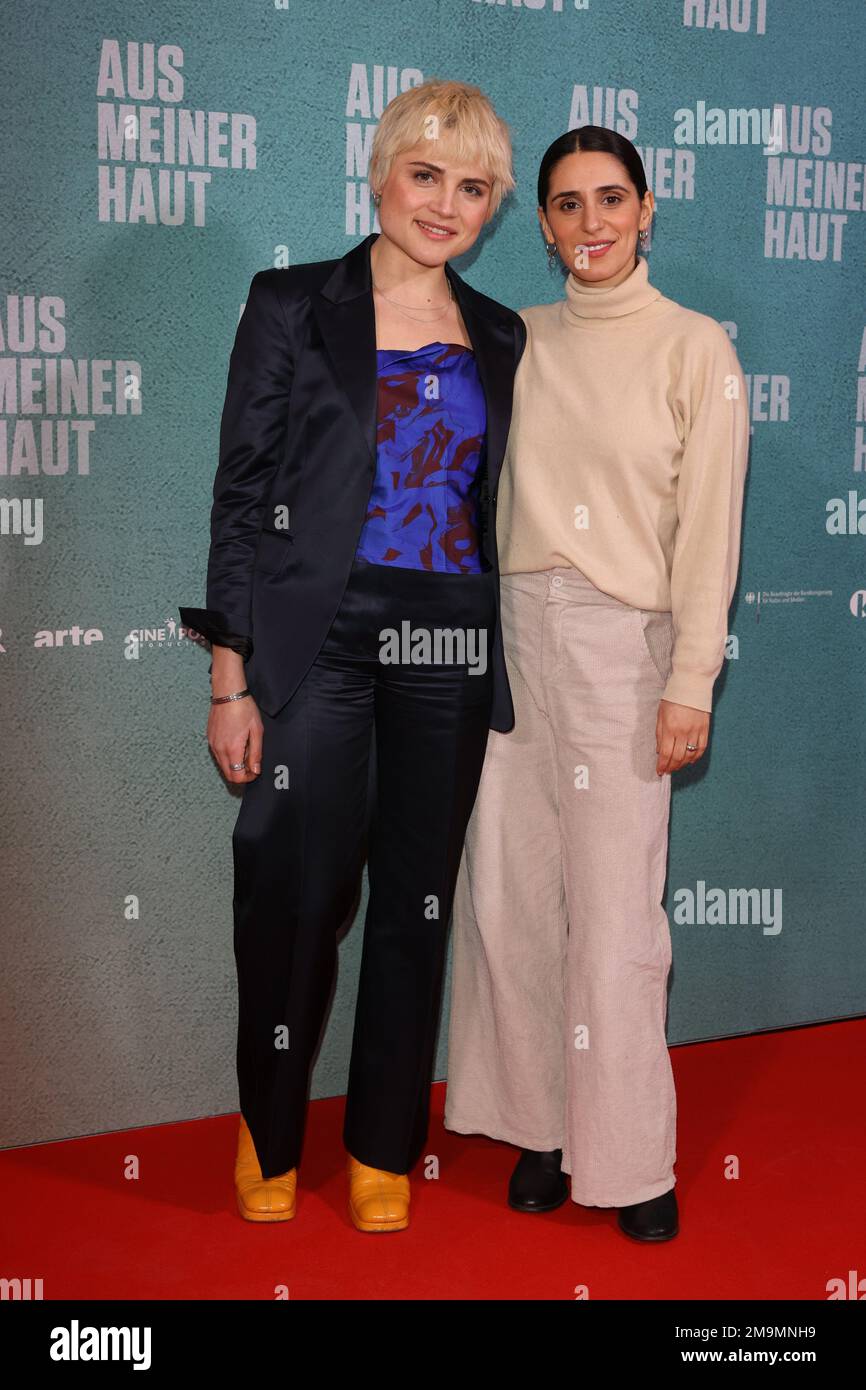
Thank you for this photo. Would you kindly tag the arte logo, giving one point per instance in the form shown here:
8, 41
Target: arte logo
74, 636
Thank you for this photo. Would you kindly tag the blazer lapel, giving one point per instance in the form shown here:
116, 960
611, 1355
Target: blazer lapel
343, 309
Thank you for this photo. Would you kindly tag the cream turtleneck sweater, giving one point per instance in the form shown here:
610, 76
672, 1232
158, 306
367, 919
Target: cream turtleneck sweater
626, 458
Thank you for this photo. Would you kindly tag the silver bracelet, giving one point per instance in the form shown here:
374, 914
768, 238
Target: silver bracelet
223, 699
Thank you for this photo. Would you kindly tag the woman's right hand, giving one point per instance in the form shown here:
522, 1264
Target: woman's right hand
234, 733
234, 730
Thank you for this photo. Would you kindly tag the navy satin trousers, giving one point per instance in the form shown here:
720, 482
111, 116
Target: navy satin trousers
367, 755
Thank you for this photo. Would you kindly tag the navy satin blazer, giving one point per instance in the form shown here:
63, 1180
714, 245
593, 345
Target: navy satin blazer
298, 439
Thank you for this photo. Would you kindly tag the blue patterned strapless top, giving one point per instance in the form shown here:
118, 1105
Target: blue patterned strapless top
423, 511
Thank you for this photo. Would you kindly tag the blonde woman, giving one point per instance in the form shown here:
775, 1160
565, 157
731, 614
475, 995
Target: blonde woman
365, 419
619, 514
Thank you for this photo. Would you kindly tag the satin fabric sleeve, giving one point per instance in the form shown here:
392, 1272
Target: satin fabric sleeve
252, 438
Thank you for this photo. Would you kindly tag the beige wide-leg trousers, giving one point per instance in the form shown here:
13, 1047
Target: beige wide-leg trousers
561, 945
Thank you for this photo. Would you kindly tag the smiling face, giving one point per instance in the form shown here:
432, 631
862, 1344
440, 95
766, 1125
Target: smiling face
432, 207
594, 215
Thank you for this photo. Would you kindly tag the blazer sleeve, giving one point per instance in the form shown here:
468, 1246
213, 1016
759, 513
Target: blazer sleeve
252, 437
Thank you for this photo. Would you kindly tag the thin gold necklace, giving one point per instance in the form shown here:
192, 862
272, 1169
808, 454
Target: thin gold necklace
404, 307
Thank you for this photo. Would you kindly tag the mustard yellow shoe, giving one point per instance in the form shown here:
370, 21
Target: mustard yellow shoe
261, 1199
378, 1200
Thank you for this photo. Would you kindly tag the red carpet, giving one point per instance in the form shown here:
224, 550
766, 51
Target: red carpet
788, 1105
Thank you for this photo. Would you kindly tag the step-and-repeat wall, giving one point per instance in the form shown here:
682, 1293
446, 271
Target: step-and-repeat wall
127, 251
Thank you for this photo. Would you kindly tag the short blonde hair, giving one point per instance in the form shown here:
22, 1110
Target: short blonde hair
466, 126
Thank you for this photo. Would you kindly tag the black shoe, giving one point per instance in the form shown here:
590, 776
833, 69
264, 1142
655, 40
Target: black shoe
538, 1182
656, 1219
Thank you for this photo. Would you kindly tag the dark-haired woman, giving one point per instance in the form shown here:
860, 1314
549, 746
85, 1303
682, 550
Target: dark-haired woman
619, 515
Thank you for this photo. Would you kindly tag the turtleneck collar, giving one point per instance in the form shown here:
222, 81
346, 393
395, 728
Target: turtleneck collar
584, 302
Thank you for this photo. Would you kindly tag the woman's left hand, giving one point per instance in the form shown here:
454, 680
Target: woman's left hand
676, 726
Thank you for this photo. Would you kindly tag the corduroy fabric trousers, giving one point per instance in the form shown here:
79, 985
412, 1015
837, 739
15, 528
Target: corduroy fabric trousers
561, 945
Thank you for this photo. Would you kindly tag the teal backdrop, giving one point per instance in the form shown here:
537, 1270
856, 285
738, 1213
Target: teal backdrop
125, 267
